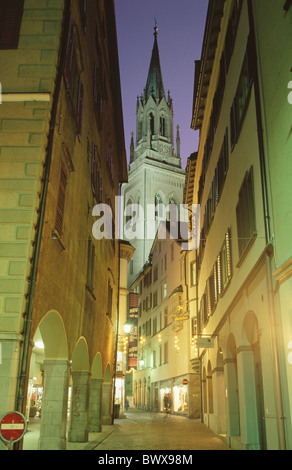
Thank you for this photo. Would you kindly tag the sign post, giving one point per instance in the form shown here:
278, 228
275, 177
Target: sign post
12, 428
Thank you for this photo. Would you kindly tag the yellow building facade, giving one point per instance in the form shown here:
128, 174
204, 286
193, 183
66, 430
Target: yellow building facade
62, 153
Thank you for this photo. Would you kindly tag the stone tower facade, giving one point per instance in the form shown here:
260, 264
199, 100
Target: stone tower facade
155, 172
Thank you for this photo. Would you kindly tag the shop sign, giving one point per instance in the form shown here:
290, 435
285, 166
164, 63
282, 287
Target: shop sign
204, 343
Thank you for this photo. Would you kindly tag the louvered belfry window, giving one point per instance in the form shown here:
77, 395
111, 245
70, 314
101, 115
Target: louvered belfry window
10, 22
61, 201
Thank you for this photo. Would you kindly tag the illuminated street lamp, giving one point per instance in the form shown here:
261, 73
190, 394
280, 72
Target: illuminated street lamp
127, 328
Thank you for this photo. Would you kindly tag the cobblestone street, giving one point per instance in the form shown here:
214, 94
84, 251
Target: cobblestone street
156, 431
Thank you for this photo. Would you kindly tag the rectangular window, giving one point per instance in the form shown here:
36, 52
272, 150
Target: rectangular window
155, 273
165, 317
154, 358
90, 265
166, 352
10, 23
96, 178
240, 101
193, 273
224, 264
109, 300
155, 301
245, 213
154, 326
165, 289
72, 79
83, 12
61, 201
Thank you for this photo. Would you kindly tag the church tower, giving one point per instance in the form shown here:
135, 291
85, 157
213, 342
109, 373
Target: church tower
155, 172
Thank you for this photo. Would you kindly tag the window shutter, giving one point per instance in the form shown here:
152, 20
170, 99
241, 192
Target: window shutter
93, 171
61, 201
69, 55
100, 188
80, 108
10, 23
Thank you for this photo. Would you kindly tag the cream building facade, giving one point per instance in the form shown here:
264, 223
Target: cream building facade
244, 293
165, 380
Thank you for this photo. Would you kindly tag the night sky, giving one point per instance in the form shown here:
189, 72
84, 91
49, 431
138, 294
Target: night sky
181, 25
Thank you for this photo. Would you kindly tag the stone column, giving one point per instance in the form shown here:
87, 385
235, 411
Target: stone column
194, 396
106, 404
54, 406
95, 422
233, 421
79, 407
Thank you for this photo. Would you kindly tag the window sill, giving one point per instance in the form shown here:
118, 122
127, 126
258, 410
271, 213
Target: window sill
56, 236
90, 291
246, 250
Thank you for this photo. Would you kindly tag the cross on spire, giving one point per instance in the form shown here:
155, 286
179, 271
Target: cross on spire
155, 28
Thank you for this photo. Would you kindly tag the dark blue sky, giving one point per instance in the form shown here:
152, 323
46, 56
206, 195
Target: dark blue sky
181, 26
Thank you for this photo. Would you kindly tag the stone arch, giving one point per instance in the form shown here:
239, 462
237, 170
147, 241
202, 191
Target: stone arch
96, 370
250, 329
52, 332
50, 353
80, 356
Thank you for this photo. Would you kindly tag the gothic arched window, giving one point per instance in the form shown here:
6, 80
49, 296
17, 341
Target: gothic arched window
158, 207
152, 126
162, 126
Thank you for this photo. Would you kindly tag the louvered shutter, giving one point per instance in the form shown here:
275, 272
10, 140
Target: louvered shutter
80, 109
69, 55
93, 171
11, 12
61, 201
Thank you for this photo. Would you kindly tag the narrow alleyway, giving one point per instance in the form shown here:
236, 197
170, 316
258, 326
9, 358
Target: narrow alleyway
156, 431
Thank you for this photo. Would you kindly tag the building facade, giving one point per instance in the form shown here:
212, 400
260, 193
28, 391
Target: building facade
62, 152
243, 263
155, 174
165, 380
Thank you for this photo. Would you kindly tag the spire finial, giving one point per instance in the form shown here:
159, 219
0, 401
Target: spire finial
155, 28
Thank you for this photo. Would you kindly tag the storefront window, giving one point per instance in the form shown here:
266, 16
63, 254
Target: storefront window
180, 398
165, 399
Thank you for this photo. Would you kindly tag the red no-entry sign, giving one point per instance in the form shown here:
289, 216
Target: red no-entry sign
12, 427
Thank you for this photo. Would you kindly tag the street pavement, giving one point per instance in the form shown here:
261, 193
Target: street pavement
157, 431
141, 431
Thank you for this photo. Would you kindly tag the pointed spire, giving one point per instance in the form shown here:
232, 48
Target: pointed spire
154, 86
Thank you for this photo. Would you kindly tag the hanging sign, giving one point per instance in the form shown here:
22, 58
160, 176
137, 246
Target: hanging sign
204, 343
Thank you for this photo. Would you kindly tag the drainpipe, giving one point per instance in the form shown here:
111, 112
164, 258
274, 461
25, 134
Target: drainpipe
269, 244
25, 344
